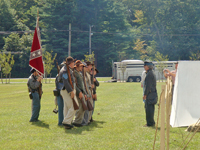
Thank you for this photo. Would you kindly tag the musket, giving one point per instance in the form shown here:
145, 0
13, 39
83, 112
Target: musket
70, 81
89, 105
40, 90
58, 68
83, 104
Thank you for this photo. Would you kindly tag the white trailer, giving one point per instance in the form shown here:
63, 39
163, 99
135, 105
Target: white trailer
131, 70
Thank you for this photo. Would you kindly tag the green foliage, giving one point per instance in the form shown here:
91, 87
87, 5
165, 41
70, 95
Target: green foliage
48, 61
6, 62
12, 43
160, 65
90, 57
195, 56
168, 27
140, 47
122, 55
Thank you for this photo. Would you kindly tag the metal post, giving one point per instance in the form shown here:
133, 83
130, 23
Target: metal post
90, 34
90, 39
69, 45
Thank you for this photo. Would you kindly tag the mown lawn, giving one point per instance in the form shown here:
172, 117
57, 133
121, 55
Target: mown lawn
119, 118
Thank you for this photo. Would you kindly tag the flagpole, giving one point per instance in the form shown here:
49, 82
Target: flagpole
37, 26
36, 60
69, 46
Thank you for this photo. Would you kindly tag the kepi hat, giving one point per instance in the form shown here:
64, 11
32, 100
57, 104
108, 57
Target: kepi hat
78, 63
89, 63
69, 60
32, 70
148, 63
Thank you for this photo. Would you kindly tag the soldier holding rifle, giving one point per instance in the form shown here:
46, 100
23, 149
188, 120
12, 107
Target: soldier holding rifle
34, 86
68, 93
80, 93
96, 84
88, 87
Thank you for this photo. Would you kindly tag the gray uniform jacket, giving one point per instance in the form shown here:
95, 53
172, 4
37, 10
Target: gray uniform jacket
79, 82
150, 88
64, 79
59, 85
88, 84
33, 84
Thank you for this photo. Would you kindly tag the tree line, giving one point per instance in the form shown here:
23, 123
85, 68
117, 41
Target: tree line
122, 29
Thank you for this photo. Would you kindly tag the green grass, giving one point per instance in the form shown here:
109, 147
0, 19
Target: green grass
119, 116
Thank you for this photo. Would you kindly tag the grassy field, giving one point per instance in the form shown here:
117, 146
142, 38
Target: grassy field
119, 118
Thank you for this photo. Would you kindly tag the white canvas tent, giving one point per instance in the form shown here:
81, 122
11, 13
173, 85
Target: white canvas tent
186, 98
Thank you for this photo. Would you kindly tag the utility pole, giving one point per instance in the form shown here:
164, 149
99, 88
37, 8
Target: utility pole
69, 45
90, 34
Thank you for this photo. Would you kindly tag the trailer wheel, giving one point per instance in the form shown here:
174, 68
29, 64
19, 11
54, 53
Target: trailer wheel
138, 79
130, 79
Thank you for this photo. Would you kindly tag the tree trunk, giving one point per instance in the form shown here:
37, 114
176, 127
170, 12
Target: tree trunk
50, 78
9, 77
1, 78
45, 78
6, 78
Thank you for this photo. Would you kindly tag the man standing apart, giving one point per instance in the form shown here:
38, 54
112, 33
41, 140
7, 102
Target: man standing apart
150, 94
67, 92
34, 82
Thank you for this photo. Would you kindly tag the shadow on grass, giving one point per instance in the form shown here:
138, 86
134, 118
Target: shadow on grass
41, 124
79, 130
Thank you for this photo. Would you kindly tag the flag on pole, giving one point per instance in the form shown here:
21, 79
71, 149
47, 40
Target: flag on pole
36, 60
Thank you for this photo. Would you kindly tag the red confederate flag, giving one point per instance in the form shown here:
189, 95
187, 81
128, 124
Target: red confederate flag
36, 61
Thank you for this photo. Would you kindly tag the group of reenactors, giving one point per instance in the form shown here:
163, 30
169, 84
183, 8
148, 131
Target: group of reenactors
75, 93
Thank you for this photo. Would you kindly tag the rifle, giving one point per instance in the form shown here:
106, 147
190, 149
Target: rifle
40, 92
70, 81
89, 105
58, 68
82, 102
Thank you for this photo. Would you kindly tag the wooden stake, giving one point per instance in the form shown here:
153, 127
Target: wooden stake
162, 128
192, 135
168, 110
162, 93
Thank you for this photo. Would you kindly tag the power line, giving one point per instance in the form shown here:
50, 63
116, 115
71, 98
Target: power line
82, 31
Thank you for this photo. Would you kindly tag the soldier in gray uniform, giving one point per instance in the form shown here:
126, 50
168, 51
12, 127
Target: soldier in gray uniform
150, 94
33, 84
80, 93
96, 84
87, 85
67, 92
59, 98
